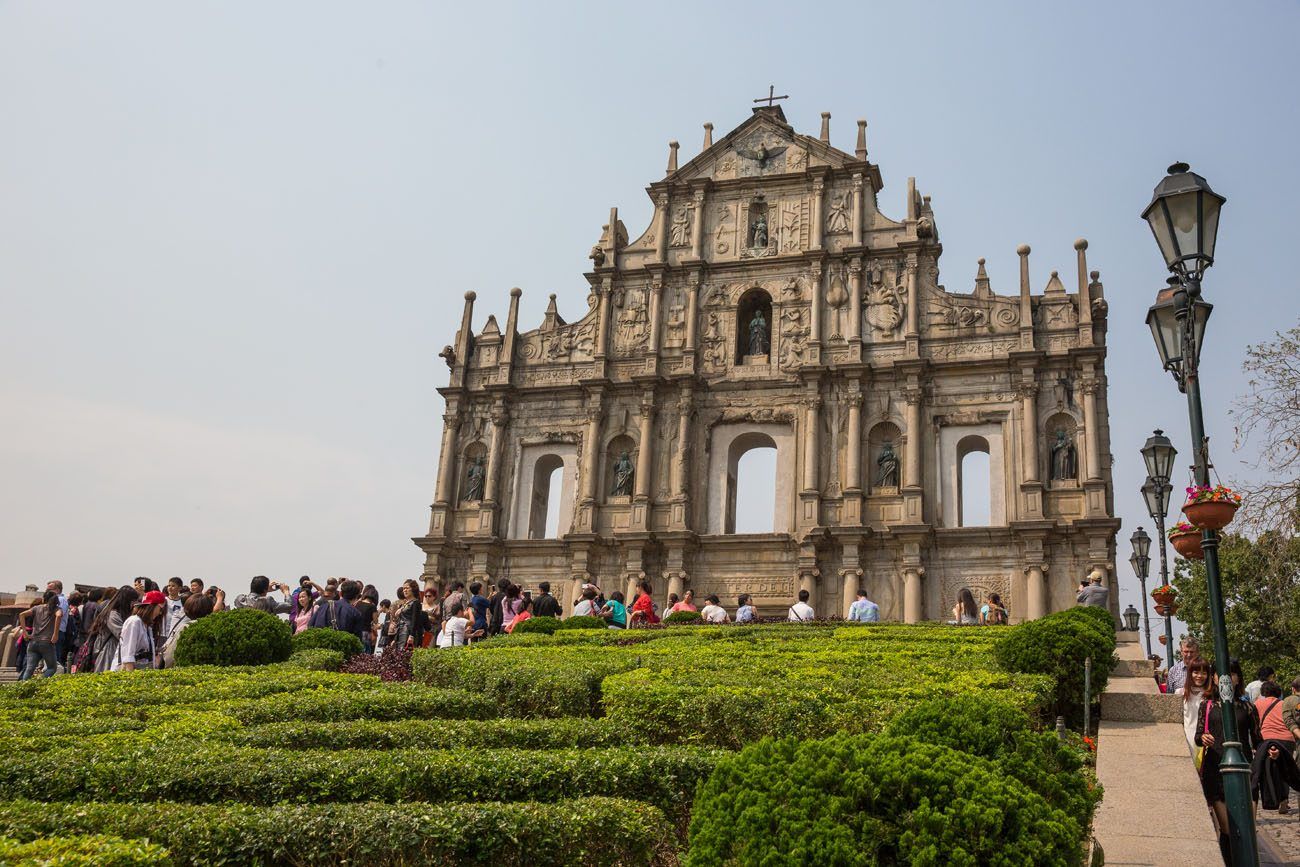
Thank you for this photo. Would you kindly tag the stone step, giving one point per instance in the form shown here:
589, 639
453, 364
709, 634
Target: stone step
1133, 668
1125, 701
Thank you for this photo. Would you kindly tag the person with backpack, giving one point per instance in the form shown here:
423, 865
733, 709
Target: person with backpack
341, 614
993, 612
1273, 773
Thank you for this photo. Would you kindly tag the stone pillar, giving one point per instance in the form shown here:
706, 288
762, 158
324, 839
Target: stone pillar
574, 594
661, 228
808, 581
692, 306
815, 337
811, 452
1036, 592
913, 329
466, 330
913, 604
819, 189
602, 334
656, 292
676, 584
850, 581
855, 301
500, 415
447, 469
697, 227
681, 458
1092, 448
645, 450
1028, 392
591, 450
854, 436
912, 457
857, 209
1026, 305
1085, 299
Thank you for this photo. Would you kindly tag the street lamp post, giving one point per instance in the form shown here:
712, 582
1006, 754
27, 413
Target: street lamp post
1184, 217
1159, 453
1141, 562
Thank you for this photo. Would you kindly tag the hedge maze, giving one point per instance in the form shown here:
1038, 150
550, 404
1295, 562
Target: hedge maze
696, 745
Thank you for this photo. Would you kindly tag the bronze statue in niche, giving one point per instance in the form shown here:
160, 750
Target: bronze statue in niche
1065, 458
887, 467
623, 475
474, 480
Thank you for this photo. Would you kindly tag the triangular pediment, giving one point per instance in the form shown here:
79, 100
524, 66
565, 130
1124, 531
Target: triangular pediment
763, 146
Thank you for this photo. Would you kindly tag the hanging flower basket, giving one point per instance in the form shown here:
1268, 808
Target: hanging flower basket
1211, 508
1164, 595
1186, 540
1166, 609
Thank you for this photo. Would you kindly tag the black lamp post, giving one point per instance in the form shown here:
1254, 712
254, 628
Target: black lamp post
1141, 563
1155, 493
1184, 217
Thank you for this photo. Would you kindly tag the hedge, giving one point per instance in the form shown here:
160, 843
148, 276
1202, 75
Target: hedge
520, 734
541, 625
316, 659
587, 831
1057, 645
684, 617
663, 776
852, 799
387, 702
583, 622
244, 636
330, 639
81, 850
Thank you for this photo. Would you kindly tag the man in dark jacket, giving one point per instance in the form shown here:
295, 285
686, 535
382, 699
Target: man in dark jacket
546, 605
341, 613
257, 597
495, 615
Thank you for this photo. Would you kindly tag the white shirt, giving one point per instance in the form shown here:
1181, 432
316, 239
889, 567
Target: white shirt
714, 613
1252, 690
452, 633
173, 611
136, 644
801, 612
585, 608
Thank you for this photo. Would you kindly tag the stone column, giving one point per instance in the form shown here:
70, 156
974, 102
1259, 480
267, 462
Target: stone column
447, 469
1028, 392
811, 453
656, 292
913, 329
854, 436
815, 337
692, 306
850, 581
912, 458
913, 606
606, 291
645, 451
697, 228
857, 209
681, 458
1026, 304
855, 300
808, 581
819, 189
1036, 592
591, 451
661, 228
500, 415
1092, 448
676, 584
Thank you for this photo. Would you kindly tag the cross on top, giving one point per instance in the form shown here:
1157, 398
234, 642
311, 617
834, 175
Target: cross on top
771, 98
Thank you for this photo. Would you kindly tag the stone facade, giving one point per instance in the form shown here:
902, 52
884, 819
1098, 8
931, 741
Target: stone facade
770, 303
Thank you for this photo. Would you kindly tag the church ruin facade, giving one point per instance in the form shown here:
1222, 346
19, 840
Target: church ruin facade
771, 304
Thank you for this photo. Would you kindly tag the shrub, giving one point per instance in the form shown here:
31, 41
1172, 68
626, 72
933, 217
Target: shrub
1057, 646
684, 617
330, 639
600, 832
81, 850
663, 776
520, 734
1092, 613
391, 667
850, 799
381, 702
583, 623
316, 659
543, 625
245, 636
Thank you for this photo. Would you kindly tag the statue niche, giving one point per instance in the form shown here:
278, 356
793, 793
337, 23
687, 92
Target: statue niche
620, 466
886, 456
758, 225
754, 327
1065, 457
474, 474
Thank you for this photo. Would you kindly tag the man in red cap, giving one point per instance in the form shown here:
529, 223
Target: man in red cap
136, 647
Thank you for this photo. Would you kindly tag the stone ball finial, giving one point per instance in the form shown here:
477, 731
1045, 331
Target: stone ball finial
1095, 274
674, 145
1022, 250
826, 114
979, 261
552, 296
708, 125
1055, 274
1081, 244
470, 295
516, 292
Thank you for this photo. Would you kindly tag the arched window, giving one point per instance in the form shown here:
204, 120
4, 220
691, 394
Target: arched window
974, 483
548, 485
619, 467
751, 484
754, 326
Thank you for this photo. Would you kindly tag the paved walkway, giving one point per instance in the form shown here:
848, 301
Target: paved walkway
1153, 812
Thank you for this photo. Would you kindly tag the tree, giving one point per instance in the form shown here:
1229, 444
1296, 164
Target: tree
1261, 599
1270, 414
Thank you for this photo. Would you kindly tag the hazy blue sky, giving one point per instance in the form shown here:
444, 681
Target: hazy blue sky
233, 236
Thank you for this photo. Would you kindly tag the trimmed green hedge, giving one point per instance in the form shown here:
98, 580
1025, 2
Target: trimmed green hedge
583, 622
663, 776
316, 659
330, 639
852, 799
245, 636
539, 625
81, 850
390, 701
598, 832
1057, 645
684, 617
521, 734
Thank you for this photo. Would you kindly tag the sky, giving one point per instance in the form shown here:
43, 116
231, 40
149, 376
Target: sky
234, 235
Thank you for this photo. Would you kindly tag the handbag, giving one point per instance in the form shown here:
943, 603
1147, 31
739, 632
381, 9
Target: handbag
84, 659
1199, 758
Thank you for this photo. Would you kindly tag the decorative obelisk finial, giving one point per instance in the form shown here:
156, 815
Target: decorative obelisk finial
708, 136
826, 127
862, 139
672, 157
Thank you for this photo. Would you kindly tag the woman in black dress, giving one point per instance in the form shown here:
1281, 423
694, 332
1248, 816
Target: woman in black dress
1209, 734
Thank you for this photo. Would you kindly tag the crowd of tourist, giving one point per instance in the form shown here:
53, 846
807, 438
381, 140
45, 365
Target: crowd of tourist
1267, 715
